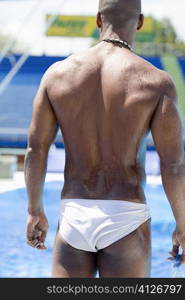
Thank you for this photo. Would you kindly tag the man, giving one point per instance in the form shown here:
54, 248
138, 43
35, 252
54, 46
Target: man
105, 101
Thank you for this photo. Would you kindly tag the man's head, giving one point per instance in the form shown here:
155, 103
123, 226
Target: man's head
120, 14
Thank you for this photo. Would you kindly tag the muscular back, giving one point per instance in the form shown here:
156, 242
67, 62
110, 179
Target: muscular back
104, 100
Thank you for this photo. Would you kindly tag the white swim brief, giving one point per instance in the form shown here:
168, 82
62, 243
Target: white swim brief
91, 224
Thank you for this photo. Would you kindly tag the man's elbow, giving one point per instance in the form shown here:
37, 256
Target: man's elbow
37, 147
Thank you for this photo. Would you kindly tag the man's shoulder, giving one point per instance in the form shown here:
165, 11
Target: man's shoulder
68, 65
147, 66
159, 77
167, 85
56, 69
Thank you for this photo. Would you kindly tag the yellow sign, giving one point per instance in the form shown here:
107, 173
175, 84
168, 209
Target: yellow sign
85, 26
72, 26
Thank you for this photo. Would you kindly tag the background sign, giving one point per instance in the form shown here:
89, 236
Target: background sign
85, 26
73, 26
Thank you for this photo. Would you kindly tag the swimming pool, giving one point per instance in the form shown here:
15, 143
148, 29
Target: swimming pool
17, 259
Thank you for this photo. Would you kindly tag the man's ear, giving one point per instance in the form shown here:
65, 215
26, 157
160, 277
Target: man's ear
99, 20
140, 22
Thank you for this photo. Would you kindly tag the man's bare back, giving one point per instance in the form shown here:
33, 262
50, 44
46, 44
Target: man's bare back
104, 100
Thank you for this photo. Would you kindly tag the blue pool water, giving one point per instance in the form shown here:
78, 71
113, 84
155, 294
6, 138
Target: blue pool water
17, 259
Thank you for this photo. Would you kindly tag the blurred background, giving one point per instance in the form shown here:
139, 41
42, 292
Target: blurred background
33, 35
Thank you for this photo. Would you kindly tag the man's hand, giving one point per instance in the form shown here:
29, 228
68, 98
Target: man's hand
178, 240
36, 230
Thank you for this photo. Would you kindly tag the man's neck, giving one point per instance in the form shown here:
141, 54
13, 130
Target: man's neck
121, 35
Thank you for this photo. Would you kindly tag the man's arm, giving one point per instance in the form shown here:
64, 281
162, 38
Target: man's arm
167, 133
42, 133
